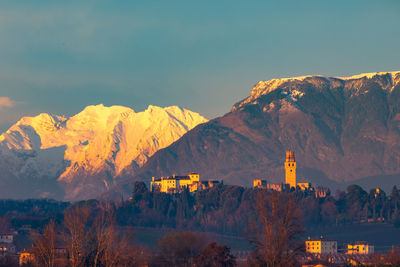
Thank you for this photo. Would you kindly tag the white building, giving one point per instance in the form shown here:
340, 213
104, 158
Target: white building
360, 247
321, 246
6, 238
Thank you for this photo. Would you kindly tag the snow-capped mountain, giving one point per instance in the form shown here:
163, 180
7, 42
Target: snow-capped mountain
266, 87
84, 155
342, 129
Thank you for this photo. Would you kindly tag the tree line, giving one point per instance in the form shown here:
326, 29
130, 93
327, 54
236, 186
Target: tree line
228, 209
88, 236
222, 209
95, 233
91, 236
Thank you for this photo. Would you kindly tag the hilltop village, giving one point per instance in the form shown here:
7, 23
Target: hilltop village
290, 180
176, 184
318, 249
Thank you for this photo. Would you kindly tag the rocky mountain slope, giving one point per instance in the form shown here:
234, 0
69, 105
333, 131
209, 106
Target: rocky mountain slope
342, 129
82, 156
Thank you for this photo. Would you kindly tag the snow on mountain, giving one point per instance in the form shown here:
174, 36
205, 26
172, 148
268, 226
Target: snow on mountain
87, 152
369, 75
343, 130
265, 87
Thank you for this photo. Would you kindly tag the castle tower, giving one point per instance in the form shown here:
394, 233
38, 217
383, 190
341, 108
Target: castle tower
290, 169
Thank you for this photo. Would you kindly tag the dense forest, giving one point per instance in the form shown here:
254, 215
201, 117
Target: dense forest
222, 209
100, 233
32, 212
228, 209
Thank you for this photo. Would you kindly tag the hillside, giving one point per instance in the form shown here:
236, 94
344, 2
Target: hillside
342, 129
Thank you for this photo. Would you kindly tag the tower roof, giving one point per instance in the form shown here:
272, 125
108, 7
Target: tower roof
290, 156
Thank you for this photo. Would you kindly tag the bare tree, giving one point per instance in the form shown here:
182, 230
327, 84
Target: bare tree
119, 249
180, 249
111, 246
215, 256
4, 225
392, 257
76, 235
100, 232
129, 252
44, 246
277, 229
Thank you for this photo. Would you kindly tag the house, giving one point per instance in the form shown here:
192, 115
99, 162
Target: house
258, 183
360, 247
321, 245
175, 184
304, 186
60, 256
203, 185
25, 258
6, 238
6, 248
321, 192
278, 187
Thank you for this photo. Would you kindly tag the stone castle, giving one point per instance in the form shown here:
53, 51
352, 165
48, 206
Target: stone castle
290, 179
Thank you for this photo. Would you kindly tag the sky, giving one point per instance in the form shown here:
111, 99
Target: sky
60, 56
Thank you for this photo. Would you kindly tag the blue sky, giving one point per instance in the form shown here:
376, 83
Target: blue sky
60, 56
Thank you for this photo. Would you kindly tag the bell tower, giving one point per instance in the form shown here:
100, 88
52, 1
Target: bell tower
290, 169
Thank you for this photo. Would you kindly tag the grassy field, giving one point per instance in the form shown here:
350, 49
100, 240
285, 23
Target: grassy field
383, 236
149, 236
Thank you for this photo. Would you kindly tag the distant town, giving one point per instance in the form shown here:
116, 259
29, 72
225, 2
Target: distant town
175, 184
354, 253
189, 203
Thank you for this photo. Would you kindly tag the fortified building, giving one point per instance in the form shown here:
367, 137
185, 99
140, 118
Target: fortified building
290, 169
290, 179
175, 184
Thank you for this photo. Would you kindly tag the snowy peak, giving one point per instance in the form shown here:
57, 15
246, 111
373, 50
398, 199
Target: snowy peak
342, 129
98, 117
369, 75
99, 141
388, 81
25, 134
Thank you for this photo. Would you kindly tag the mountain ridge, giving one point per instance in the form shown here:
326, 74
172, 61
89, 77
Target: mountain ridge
342, 129
267, 86
84, 154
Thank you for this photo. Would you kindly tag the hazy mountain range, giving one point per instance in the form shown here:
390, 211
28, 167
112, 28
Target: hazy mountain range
343, 130
84, 155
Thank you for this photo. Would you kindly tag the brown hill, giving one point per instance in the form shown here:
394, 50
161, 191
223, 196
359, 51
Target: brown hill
342, 130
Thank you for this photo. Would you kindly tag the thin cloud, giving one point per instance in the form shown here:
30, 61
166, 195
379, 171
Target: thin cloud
6, 102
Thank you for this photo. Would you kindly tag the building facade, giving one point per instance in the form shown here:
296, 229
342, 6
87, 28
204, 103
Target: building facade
6, 238
360, 247
258, 183
290, 169
304, 186
290, 177
25, 258
321, 246
175, 184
